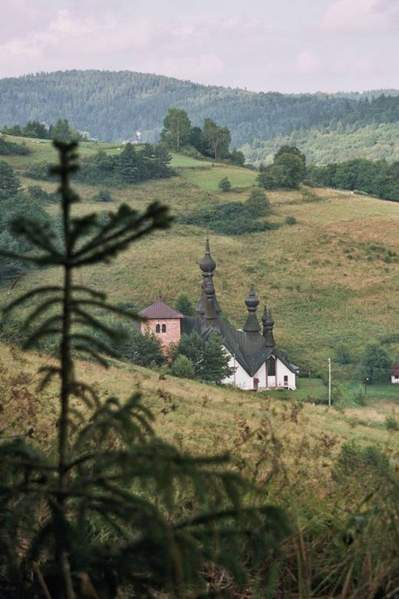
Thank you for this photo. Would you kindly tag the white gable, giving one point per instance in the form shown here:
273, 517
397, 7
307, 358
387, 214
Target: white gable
283, 379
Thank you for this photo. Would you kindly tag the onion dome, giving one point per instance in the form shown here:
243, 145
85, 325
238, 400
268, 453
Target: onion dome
252, 303
268, 324
207, 263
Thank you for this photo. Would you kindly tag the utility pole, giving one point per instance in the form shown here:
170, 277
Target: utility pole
329, 382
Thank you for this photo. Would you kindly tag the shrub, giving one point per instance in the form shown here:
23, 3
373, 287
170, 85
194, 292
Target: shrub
237, 157
391, 424
9, 182
257, 204
103, 196
224, 184
343, 355
8, 148
40, 195
230, 218
182, 367
290, 220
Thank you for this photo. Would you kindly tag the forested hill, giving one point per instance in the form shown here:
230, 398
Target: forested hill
113, 105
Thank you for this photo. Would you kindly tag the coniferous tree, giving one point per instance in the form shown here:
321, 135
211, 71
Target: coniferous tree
9, 182
103, 512
184, 305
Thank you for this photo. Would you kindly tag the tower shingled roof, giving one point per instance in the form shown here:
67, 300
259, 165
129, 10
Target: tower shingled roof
159, 310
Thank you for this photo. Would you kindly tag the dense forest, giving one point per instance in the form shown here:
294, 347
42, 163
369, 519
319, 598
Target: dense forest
323, 146
114, 105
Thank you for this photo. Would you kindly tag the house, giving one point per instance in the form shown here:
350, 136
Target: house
255, 359
395, 374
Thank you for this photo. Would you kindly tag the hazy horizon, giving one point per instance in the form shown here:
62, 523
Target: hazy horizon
309, 46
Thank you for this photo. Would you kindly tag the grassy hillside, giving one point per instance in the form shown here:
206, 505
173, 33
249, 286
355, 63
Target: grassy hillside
329, 278
373, 142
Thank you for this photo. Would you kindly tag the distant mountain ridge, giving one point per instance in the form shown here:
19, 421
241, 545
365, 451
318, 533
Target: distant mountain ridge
113, 105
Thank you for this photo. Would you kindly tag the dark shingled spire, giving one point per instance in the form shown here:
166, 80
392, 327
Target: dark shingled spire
210, 299
207, 266
268, 324
207, 263
252, 303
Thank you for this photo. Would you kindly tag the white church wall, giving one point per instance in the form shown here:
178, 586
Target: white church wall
241, 379
283, 371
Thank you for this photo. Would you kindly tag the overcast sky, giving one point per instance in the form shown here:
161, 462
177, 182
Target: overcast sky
282, 45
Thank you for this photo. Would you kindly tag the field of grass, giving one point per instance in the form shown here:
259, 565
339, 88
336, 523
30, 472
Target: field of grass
327, 278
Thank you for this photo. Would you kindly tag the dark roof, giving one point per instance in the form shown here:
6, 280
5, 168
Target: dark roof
249, 349
395, 369
159, 310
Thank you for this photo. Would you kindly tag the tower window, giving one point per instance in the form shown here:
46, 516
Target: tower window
271, 366
164, 328
158, 328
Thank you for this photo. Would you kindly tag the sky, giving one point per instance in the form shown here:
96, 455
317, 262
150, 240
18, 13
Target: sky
261, 45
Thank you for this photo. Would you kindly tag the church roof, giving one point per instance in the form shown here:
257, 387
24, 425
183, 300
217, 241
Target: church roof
159, 311
248, 346
250, 350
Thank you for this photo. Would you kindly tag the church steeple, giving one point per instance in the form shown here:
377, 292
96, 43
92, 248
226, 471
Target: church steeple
252, 303
207, 263
210, 300
268, 324
208, 294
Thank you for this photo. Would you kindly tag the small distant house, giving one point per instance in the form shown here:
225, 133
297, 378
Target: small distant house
395, 375
255, 359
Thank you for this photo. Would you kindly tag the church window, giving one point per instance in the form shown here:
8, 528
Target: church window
158, 328
164, 328
271, 366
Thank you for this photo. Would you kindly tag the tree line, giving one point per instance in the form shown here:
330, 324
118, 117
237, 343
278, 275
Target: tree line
378, 178
61, 130
132, 165
288, 170
212, 140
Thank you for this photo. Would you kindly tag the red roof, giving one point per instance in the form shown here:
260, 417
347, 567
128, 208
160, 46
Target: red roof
395, 370
159, 311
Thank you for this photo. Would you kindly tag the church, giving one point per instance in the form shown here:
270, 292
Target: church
256, 362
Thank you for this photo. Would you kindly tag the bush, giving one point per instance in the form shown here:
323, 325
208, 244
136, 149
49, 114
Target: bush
290, 220
103, 196
40, 195
8, 148
224, 184
230, 218
237, 157
343, 355
257, 204
9, 182
391, 424
182, 367
375, 365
